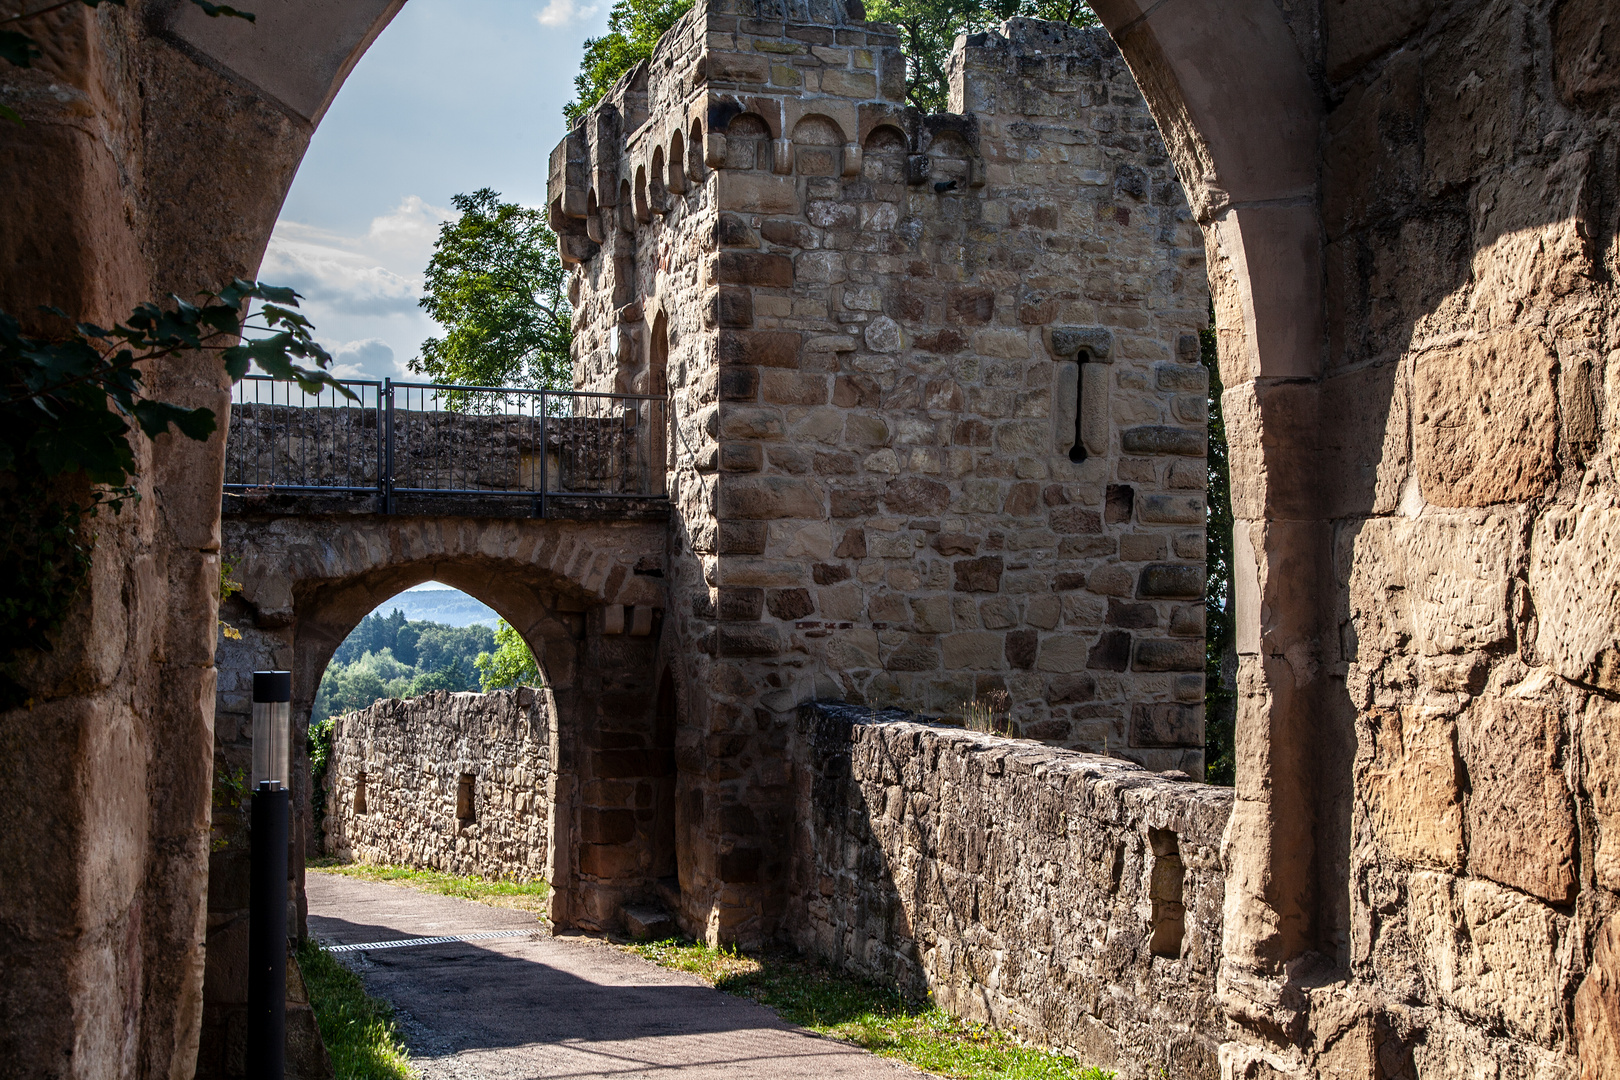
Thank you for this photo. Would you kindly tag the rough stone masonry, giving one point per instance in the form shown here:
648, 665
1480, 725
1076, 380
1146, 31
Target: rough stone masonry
458, 782
938, 419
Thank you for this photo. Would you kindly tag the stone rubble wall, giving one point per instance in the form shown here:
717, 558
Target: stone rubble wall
398, 769
1073, 898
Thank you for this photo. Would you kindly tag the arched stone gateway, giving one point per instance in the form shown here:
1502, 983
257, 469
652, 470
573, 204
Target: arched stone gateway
1409, 212
588, 598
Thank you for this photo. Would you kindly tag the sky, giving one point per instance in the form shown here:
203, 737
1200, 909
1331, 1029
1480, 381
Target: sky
453, 96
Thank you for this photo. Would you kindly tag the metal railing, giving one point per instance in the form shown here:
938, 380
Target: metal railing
422, 439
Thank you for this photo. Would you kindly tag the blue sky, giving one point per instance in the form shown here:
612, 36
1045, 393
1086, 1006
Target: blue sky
454, 95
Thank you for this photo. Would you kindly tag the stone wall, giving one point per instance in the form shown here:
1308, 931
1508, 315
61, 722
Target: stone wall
462, 783
936, 416
1073, 898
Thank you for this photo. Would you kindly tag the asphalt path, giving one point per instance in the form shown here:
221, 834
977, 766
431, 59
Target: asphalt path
533, 1005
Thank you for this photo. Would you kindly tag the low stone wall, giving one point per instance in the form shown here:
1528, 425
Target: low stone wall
456, 782
1073, 898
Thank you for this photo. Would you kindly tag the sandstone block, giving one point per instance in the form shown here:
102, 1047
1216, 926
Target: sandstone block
1407, 774
1597, 1007
1167, 724
1170, 581
979, 575
1487, 420
1439, 582
1154, 654
794, 388
916, 496
1112, 652
789, 604
736, 67
755, 268
766, 497
1575, 581
1521, 819
973, 650
1170, 509
1162, 439
765, 348
1489, 952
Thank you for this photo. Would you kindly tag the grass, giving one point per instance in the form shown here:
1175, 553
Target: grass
870, 1016
523, 895
359, 1031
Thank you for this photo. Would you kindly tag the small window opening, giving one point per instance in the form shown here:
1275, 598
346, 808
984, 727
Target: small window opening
1077, 452
464, 799
694, 160
360, 792
1169, 875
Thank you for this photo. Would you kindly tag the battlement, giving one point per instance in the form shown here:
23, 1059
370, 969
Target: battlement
937, 422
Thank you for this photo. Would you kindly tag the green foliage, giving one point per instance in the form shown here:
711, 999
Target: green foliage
873, 1017
634, 27
20, 50
68, 404
928, 29
389, 656
1220, 702
318, 742
511, 664
360, 1033
527, 895
496, 284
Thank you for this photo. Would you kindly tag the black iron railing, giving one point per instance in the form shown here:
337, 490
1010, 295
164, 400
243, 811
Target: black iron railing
421, 439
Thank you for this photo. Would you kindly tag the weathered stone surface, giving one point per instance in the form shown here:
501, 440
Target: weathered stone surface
1406, 773
1488, 951
1575, 581
1440, 582
1486, 420
998, 855
462, 783
1597, 1006
1521, 816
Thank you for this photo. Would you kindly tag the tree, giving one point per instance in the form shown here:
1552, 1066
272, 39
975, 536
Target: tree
634, 27
497, 286
511, 664
928, 30
1220, 650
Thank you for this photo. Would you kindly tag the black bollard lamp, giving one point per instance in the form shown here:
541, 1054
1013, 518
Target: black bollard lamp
267, 901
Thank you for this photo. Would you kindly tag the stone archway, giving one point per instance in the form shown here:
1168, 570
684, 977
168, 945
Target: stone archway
571, 589
1416, 355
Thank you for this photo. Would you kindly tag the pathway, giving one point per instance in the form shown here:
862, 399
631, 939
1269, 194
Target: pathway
537, 1006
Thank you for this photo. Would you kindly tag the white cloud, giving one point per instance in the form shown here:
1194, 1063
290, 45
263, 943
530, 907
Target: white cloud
376, 273
365, 359
559, 13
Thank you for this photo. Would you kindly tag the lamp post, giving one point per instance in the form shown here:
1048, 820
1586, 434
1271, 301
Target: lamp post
267, 903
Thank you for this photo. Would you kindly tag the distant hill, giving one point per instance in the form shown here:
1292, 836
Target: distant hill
445, 606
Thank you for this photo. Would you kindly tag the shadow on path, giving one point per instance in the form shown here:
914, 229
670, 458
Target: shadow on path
556, 1007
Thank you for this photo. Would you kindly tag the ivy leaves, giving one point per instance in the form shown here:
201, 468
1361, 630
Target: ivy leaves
67, 403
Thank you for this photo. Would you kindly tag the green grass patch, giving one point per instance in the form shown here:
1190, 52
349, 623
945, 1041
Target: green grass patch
523, 895
359, 1031
872, 1017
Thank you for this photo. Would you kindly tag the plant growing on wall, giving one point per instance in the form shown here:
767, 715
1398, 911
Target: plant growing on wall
497, 286
67, 406
68, 399
634, 27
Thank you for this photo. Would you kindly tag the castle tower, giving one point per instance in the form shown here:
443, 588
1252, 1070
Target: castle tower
937, 423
